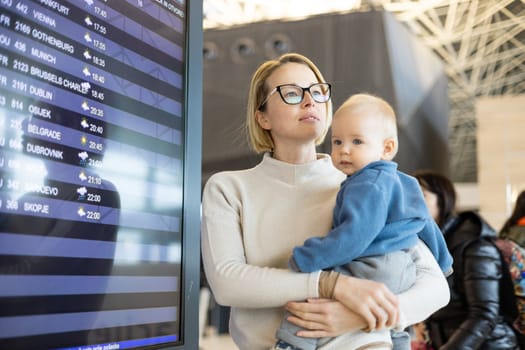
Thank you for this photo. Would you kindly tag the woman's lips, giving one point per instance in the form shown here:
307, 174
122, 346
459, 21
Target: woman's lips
309, 117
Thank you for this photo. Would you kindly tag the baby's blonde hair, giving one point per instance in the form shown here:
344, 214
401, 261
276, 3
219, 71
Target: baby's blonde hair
376, 106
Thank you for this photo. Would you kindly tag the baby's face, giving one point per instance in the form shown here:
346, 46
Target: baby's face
357, 140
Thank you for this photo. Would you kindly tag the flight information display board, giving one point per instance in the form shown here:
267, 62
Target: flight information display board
93, 149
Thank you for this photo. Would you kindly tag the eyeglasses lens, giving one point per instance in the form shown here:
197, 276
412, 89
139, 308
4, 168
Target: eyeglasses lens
293, 94
320, 92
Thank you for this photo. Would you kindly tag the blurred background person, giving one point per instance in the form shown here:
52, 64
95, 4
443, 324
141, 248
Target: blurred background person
514, 227
478, 316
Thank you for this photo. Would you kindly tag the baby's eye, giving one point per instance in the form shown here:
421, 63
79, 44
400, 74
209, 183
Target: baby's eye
337, 142
357, 142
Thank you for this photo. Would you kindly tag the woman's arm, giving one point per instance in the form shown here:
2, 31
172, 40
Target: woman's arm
373, 301
323, 318
427, 295
233, 280
430, 292
330, 318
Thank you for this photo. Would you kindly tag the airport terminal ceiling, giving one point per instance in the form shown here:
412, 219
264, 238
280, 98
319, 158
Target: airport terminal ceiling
481, 42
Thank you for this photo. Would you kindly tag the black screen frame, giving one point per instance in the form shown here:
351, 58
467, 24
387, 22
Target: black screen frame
192, 178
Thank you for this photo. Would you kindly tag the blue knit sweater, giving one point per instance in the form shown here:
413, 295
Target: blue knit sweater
378, 210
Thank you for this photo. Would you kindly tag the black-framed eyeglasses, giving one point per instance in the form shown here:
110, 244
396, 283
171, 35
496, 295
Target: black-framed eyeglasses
293, 94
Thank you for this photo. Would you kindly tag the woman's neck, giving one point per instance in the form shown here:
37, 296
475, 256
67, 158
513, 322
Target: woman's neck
298, 155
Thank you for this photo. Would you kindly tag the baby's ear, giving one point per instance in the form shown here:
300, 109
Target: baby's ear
389, 149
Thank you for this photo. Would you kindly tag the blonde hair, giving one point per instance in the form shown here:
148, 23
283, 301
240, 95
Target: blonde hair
259, 138
370, 104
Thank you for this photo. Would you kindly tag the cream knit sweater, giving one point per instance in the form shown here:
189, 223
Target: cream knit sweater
251, 220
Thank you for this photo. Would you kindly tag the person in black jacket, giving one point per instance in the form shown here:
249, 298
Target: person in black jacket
479, 314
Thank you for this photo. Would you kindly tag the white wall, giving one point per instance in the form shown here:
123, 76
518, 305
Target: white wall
467, 196
501, 155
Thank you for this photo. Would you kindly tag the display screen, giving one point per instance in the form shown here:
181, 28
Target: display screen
92, 145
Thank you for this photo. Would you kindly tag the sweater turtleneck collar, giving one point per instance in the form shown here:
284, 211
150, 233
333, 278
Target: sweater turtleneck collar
295, 174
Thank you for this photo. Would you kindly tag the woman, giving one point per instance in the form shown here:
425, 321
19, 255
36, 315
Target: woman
251, 220
477, 316
514, 227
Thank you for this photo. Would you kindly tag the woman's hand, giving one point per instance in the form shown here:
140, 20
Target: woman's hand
372, 300
323, 318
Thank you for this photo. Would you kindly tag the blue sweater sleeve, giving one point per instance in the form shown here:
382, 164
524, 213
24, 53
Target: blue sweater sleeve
360, 215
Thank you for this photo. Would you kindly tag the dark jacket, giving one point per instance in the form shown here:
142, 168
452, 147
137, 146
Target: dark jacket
480, 307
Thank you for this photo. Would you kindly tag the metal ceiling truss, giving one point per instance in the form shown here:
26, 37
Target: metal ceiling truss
481, 42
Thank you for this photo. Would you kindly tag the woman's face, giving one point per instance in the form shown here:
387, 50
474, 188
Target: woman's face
431, 199
292, 124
